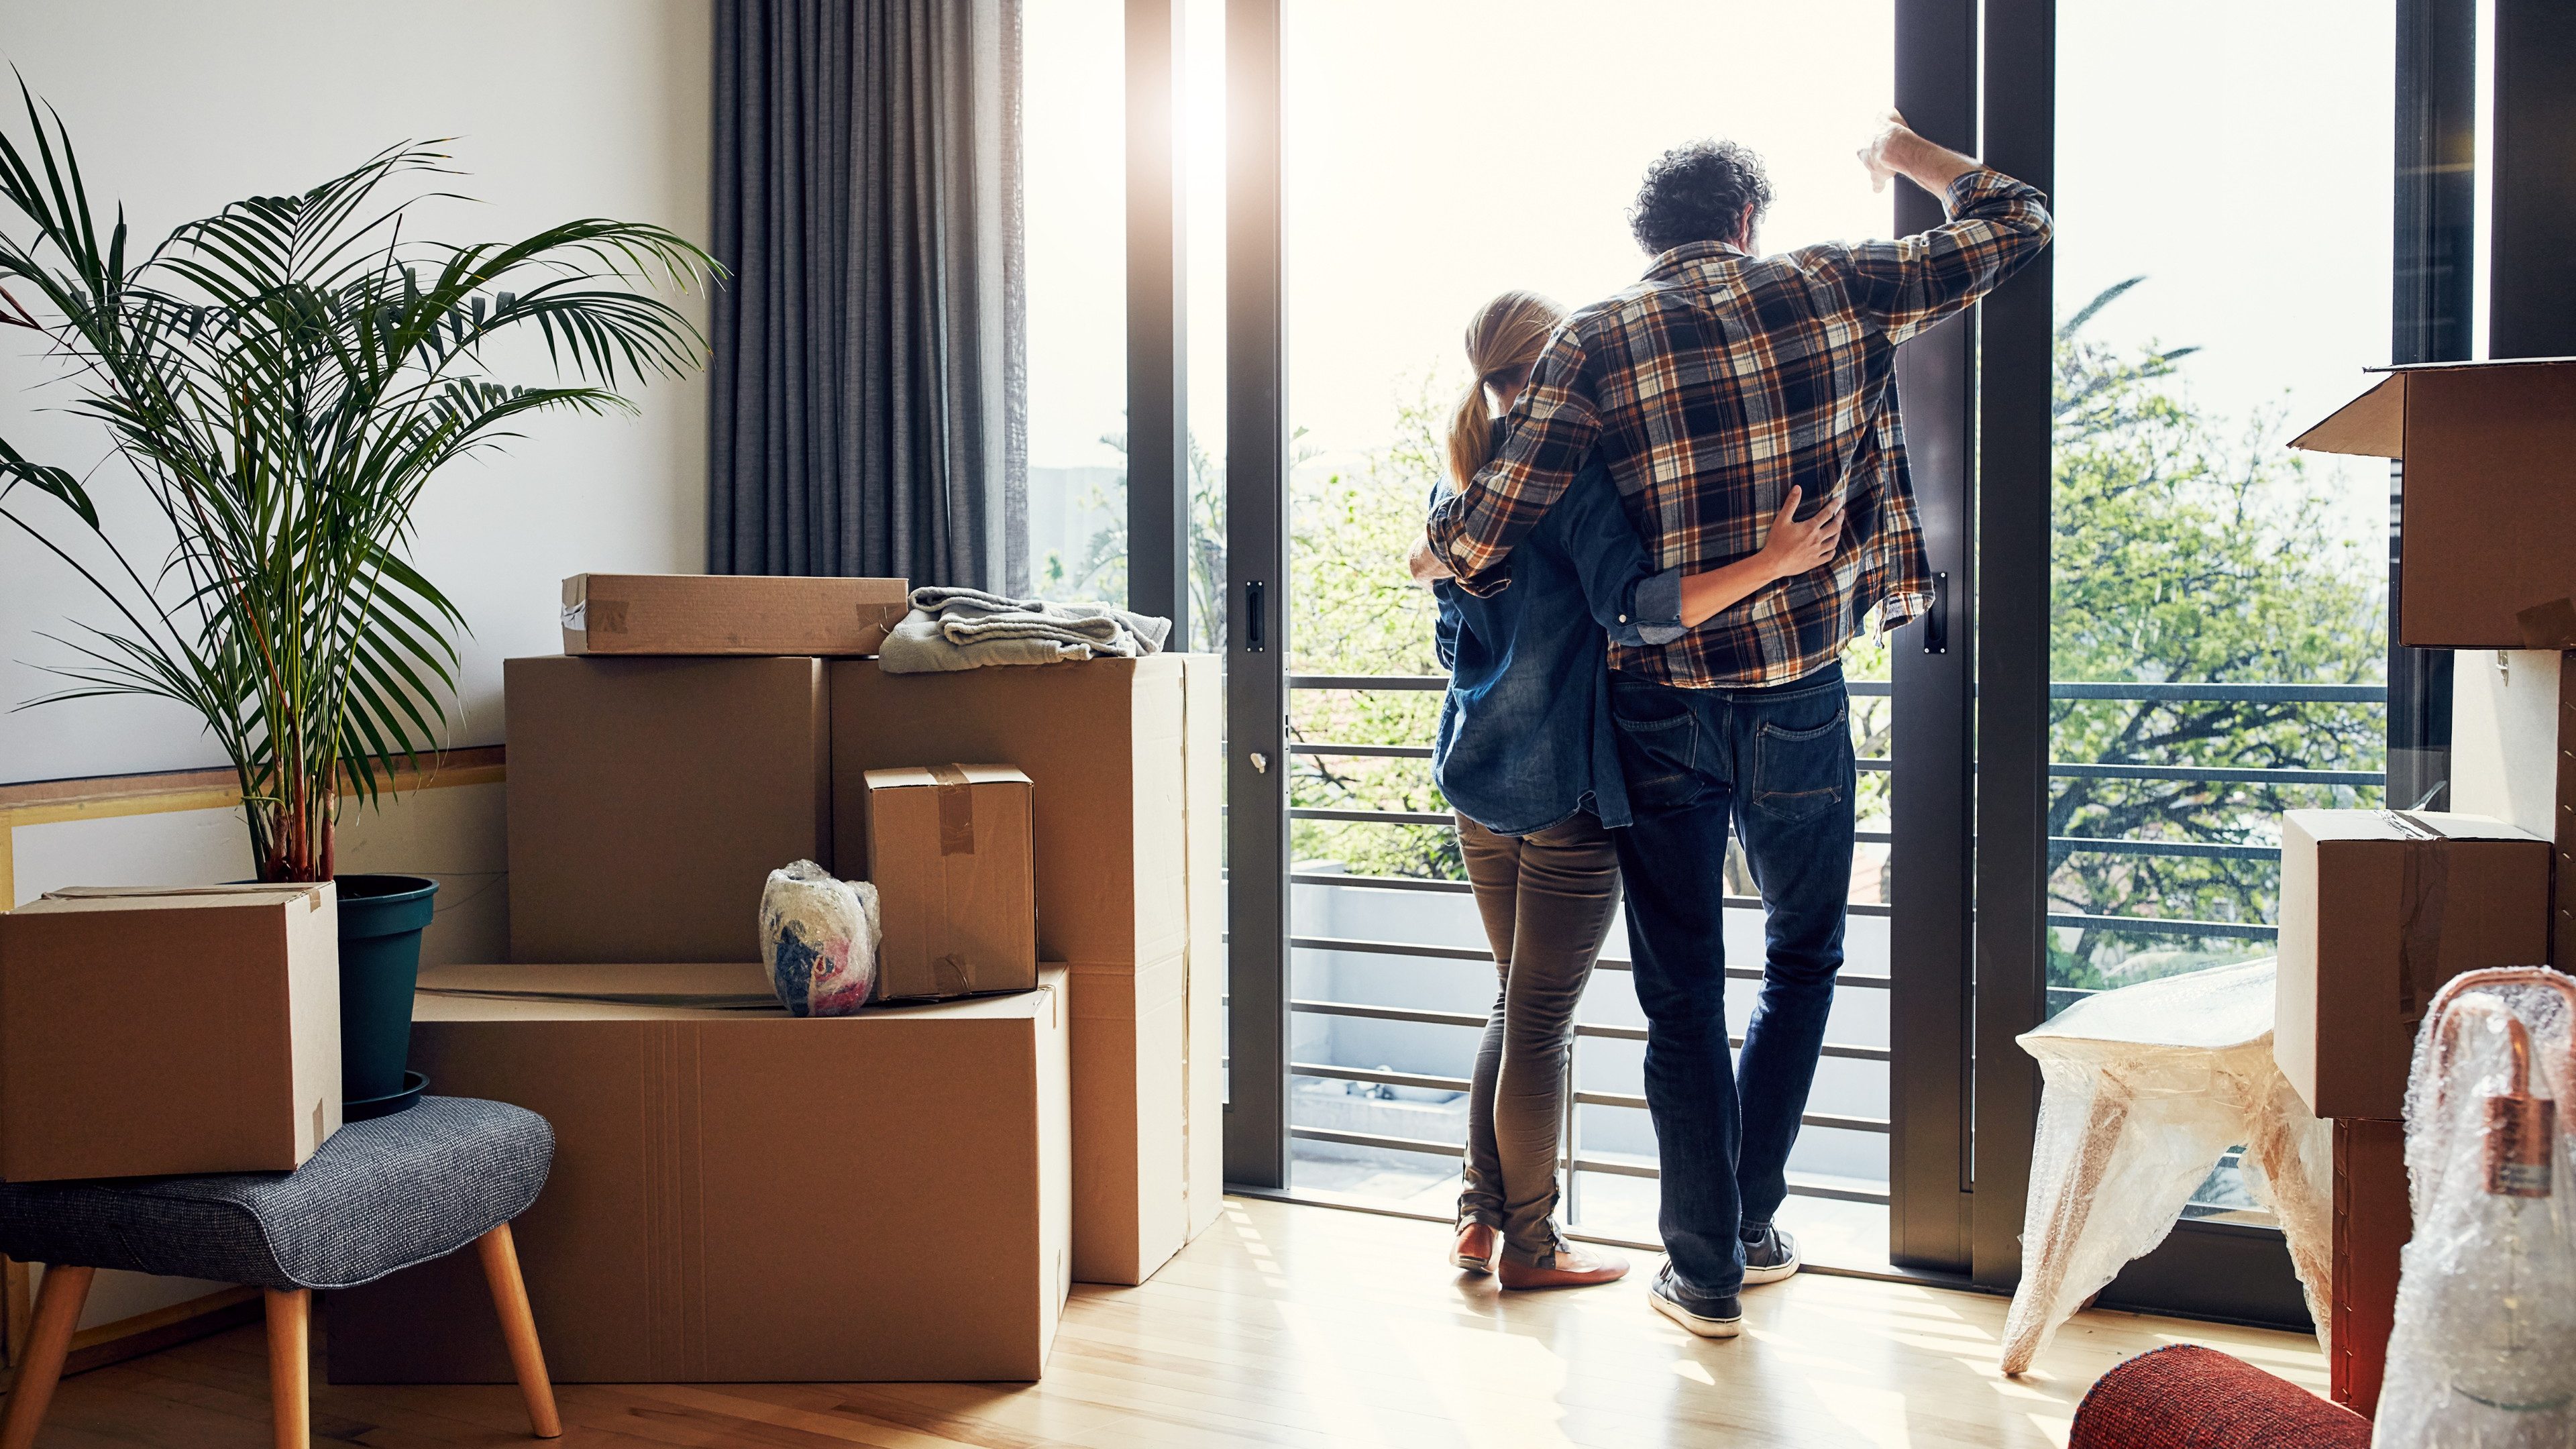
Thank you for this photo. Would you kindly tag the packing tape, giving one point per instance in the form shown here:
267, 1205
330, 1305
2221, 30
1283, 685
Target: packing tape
606, 617
956, 810
2425, 891
952, 976
2548, 626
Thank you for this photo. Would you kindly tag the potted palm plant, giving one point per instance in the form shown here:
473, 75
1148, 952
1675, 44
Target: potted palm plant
281, 380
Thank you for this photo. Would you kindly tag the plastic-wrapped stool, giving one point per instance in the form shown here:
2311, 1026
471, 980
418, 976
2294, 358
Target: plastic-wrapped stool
2146, 1087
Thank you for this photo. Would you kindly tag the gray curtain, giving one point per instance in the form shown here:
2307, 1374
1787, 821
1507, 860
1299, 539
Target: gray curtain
868, 413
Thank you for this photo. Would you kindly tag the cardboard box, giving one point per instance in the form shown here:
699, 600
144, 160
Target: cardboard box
1148, 1112
650, 799
948, 850
2372, 1221
153, 1031
1112, 746
2485, 560
729, 614
1126, 762
742, 1196
2378, 909
2513, 756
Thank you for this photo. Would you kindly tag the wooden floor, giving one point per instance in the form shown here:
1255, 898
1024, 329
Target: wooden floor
1299, 1326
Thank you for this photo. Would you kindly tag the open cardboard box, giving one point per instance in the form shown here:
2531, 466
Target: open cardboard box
2486, 556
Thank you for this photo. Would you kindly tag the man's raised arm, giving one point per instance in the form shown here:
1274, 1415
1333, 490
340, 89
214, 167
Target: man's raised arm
1545, 440
1995, 225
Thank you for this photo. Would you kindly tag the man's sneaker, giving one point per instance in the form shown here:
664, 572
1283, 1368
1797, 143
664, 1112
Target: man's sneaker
1707, 1317
1769, 1256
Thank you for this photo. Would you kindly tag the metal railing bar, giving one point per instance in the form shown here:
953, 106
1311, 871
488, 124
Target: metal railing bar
1382, 1078
2186, 692
2222, 693
1375, 817
2156, 926
2194, 774
1813, 1119
1387, 1013
1381, 882
1372, 1139
1360, 947
2094, 845
1390, 752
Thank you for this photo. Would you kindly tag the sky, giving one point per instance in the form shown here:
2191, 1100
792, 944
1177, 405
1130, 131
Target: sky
2234, 152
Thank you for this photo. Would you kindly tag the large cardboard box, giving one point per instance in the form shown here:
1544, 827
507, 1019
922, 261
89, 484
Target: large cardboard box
650, 799
1148, 1110
728, 614
948, 850
1125, 759
743, 1196
149, 1031
2378, 909
2485, 559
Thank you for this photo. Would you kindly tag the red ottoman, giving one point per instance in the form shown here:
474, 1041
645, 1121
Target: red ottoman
2188, 1397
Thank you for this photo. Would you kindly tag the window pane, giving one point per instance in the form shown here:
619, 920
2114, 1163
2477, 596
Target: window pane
2213, 297
1075, 162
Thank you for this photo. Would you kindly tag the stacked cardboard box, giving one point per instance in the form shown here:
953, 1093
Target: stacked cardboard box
1123, 756
740, 1195
2378, 910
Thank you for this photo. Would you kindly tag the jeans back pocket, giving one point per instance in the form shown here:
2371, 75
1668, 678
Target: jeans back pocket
1799, 774
1658, 745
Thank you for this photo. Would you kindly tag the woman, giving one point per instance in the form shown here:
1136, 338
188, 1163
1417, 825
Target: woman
1526, 755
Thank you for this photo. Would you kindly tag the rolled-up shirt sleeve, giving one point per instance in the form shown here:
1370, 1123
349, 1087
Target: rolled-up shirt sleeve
1545, 441
1654, 613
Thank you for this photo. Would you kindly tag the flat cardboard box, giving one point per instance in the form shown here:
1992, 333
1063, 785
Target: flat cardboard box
650, 799
2372, 1221
1148, 1112
729, 614
1112, 746
948, 850
1126, 762
741, 1196
2485, 559
2378, 909
153, 1031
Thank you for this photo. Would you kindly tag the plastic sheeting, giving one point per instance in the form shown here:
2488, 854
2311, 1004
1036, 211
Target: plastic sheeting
818, 937
2146, 1087
2484, 1352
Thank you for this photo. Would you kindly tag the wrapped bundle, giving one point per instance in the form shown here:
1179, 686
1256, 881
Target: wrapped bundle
818, 937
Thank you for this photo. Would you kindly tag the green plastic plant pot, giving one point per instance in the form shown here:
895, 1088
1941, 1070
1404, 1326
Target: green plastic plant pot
381, 918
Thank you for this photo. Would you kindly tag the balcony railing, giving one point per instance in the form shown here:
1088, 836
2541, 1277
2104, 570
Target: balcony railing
1573, 1161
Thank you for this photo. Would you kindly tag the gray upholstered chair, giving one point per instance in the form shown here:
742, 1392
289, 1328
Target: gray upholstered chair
379, 1196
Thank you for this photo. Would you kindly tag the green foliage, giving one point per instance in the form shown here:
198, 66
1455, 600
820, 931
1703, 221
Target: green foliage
1101, 572
283, 378
2185, 554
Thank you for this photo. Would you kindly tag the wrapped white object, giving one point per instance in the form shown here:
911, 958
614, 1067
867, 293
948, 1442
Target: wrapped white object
818, 937
2484, 1352
2146, 1087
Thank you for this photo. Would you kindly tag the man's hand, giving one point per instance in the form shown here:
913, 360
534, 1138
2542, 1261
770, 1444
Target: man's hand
1425, 565
1797, 545
1896, 151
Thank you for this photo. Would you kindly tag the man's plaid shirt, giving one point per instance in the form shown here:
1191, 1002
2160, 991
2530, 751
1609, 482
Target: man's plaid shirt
1717, 382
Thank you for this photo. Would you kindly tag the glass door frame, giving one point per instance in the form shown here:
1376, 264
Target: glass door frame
1971, 723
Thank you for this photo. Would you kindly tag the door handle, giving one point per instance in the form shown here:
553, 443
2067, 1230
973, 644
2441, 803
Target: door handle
1256, 628
1936, 620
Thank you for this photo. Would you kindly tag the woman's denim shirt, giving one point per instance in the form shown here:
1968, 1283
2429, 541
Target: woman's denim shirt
1525, 736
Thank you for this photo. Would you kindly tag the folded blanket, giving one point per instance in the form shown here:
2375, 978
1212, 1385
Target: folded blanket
951, 628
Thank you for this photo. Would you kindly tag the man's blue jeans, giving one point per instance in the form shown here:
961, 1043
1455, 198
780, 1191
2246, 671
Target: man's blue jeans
1777, 763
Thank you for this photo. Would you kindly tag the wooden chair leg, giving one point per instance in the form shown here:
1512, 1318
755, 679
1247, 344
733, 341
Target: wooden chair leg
290, 1366
40, 1363
519, 1329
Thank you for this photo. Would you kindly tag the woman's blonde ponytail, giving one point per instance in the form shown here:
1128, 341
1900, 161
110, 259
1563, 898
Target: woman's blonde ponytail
1503, 340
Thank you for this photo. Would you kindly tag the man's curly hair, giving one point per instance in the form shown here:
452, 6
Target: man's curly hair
1698, 193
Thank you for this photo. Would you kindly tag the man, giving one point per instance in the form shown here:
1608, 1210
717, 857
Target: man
1711, 388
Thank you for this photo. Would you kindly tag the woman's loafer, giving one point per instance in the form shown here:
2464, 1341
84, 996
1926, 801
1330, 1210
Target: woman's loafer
1563, 1266
1473, 1249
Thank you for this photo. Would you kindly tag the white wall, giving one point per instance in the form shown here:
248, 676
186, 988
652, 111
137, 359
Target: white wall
561, 109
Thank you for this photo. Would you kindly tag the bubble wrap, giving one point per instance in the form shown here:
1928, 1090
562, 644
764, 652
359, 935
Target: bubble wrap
818, 937
2484, 1352
2146, 1086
